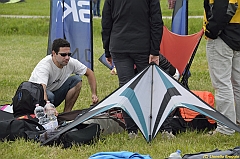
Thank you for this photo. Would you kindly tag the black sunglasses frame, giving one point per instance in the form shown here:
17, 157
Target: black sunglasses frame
65, 54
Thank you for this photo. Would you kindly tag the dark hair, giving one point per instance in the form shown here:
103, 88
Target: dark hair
57, 43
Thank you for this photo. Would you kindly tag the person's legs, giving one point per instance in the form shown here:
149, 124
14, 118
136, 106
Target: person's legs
125, 67
69, 91
94, 7
50, 96
124, 63
236, 83
220, 57
125, 71
141, 60
98, 8
72, 96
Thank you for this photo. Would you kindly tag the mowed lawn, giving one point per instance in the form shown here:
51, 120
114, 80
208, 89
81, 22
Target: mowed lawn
23, 42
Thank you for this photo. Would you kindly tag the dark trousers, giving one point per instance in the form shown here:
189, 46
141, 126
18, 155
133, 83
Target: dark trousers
125, 63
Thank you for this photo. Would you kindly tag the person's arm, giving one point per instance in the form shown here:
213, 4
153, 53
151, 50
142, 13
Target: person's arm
156, 23
106, 27
45, 92
46, 99
218, 15
93, 84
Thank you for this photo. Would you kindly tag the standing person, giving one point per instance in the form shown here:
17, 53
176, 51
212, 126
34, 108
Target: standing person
131, 35
223, 55
171, 4
55, 71
96, 8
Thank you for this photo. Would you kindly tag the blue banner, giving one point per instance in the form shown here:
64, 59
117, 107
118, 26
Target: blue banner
180, 18
71, 20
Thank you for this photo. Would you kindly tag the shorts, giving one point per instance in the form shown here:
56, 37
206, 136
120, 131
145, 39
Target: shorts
57, 97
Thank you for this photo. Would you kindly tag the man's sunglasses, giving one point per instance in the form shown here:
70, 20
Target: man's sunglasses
65, 54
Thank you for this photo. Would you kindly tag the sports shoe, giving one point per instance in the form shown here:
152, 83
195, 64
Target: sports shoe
210, 133
132, 135
168, 135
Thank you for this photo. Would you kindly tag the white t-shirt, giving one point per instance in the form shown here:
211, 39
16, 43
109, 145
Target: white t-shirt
46, 72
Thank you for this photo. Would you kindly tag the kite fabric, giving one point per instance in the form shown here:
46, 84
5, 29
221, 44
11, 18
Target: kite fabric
148, 99
6, 112
119, 155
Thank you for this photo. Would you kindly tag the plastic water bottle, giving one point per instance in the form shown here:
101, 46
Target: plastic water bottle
175, 155
40, 114
50, 112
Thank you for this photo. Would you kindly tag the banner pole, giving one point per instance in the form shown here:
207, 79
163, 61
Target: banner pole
186, 17
91, 34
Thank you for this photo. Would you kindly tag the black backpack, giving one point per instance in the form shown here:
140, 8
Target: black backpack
26, 97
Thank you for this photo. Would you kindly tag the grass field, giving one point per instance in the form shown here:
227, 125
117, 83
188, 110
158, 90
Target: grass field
23, 42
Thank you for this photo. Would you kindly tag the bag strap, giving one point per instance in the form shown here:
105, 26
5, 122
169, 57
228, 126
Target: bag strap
30, 121
8, 130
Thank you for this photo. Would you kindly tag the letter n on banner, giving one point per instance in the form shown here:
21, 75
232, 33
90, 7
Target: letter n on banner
71, 20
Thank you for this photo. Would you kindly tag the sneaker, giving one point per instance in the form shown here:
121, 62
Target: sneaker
210, 133
132, 135
168, 135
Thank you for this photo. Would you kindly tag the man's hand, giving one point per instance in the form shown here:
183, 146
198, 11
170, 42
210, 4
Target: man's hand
94, 99
154, 59
109, 60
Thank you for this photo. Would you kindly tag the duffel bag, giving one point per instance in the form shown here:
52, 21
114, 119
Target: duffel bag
20, 128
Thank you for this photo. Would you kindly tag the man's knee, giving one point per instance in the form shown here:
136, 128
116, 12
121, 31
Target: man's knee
76, 82
79, 85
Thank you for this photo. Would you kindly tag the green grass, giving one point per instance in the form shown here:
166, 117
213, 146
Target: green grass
23, 42
42, 8
29, 7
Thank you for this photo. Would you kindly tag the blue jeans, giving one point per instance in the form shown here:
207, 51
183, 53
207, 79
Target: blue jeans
56, 97
96, 8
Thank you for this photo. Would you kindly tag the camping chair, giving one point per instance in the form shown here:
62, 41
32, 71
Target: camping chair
180, 51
